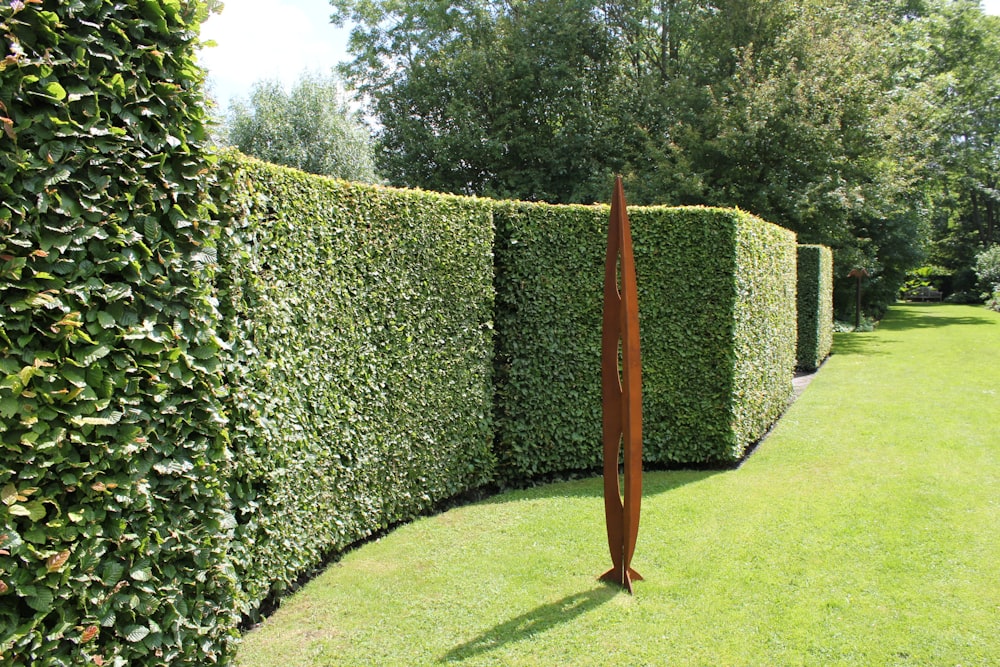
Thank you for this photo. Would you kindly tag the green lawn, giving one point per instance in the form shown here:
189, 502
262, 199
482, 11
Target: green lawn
864, 531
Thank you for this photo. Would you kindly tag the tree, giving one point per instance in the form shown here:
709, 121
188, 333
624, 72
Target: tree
488, 98
961, 84
310, 128
810, 113
802, 129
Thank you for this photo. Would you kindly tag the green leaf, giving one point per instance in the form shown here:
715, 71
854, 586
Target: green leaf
117, 84
105, 320
56, 91
35, 510
8, 495
91, 354
14, 383
26, 373
112, 574
42, 599
19, 510
136, 633
152, 229
112, 419
75, 376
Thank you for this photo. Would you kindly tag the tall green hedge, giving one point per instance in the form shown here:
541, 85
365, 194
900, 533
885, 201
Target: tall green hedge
717, 326
113, 522
345, 334
765, 335
360, 322
815, 305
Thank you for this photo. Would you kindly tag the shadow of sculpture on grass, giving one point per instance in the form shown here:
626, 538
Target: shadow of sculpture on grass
534, 622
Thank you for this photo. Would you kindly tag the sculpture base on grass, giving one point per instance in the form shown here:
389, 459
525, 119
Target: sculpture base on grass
623, 578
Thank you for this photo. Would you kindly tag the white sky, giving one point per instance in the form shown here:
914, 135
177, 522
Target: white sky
269, 39
280, 39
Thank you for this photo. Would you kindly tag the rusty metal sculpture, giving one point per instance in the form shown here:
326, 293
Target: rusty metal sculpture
621, 395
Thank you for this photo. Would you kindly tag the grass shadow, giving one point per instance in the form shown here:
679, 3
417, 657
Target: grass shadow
906, 317
927, 315
864, 344
590, 484
534, 622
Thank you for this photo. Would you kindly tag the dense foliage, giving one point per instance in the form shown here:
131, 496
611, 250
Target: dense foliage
717, 323
815, 306
114, 527
360, 326
764, 328
309, 128
958, 101
988, 266
201, 399
867, 126
988, 272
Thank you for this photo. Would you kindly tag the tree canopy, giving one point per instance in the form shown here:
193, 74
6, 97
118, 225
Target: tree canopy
865, 125
961, 88
310, 128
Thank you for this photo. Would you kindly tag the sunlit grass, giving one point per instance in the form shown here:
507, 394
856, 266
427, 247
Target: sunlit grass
864, 531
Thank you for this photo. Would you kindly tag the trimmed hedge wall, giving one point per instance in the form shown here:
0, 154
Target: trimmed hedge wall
815, 305
344, 332
114, 527
766, 328
361, 388
717, 321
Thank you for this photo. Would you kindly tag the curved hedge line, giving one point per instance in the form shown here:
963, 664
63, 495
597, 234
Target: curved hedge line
114, 528
815, 305
360, 322
195, 412
717, 322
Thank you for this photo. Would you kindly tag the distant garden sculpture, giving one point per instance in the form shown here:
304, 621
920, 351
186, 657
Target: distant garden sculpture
621, 395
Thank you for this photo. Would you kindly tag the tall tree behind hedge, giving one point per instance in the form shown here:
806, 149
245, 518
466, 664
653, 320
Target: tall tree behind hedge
310, 128
785, 109
113, 523
489, 98
960, 87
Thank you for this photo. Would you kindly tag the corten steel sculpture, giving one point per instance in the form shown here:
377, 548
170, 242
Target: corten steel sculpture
621, 395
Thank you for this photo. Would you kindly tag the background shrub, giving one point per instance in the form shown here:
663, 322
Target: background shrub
988, 272
717, 323
988, 266
310, 128
113, 522
360, 321
815, 305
